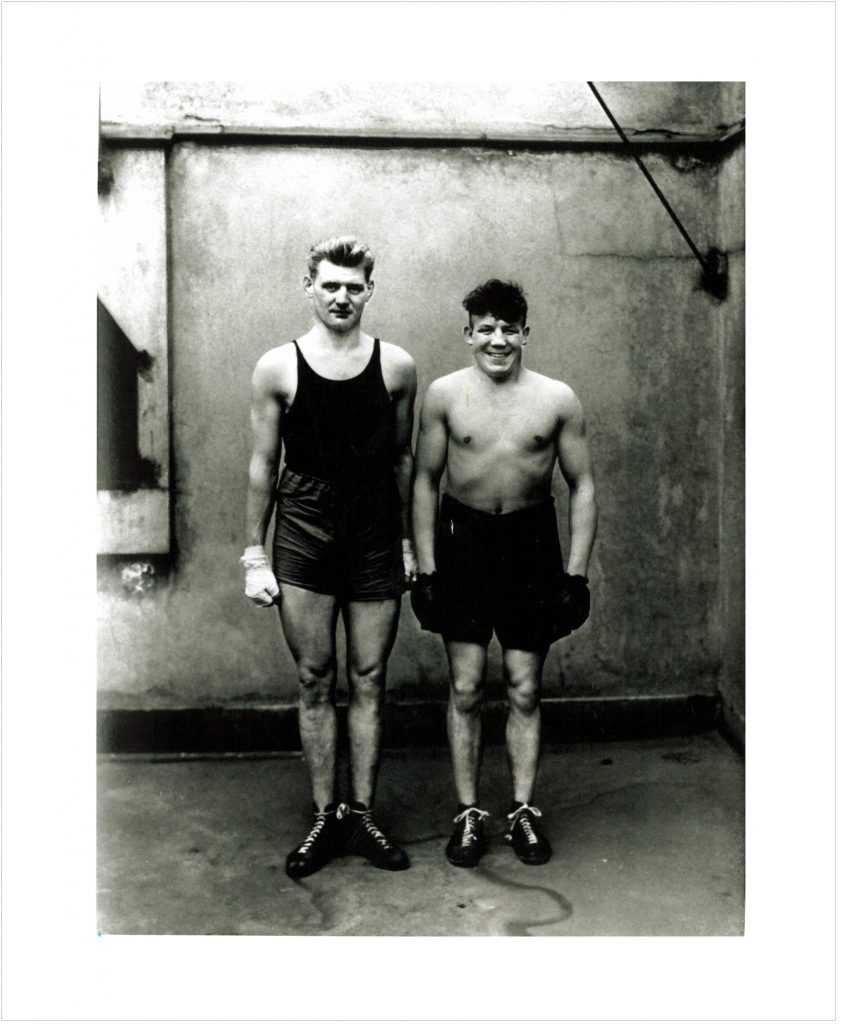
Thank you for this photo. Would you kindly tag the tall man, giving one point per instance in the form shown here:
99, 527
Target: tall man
341, 404
490, 558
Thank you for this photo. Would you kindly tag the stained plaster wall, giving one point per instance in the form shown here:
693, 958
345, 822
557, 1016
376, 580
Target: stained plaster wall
732, 507
394, 109
616, 311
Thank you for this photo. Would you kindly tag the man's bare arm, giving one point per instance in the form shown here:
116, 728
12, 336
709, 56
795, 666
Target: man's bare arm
404, 415
430, 460
261, 586
265, 451
577, 469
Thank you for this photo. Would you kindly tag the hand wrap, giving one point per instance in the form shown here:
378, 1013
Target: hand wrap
410, 564
424, 600
260, 583
573, 605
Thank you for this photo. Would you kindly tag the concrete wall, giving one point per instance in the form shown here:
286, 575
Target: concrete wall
132, 285
616, 311
732, 506
492, 109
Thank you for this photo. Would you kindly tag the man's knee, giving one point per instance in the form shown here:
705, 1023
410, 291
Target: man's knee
366, 681
524, 692
466, 693
315, 683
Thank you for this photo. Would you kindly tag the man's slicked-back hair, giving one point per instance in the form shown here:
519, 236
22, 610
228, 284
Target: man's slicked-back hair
503, 299
344, 251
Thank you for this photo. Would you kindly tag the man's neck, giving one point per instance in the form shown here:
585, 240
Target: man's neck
339, 341
510, 380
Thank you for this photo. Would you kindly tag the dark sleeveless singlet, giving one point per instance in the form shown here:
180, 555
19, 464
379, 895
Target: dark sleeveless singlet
338, 522
342, 431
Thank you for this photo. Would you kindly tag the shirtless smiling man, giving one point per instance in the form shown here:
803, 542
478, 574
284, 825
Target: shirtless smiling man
490, 558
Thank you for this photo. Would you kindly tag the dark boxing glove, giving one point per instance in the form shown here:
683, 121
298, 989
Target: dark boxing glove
425, 602
573, 605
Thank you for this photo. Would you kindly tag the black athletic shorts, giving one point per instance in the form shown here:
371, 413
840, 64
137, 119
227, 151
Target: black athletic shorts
499, 573
334, 541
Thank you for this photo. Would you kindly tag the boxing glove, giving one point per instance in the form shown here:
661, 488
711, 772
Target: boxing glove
425, 602
260, 583
573, 604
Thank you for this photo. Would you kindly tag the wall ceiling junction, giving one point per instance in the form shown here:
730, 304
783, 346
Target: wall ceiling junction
559, 113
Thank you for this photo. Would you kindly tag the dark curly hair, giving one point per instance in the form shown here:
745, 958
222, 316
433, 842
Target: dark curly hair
503, 299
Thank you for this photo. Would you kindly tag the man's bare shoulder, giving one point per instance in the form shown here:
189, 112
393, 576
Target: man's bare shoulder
553, 390
442, 389
276, 369
438, 400
398, 369
395, 356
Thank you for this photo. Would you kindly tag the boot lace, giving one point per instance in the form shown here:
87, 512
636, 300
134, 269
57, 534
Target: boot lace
314, 833
521, 817
373, 831
319, 825
471, 819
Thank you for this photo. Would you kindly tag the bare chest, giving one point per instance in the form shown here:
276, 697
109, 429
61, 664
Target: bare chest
338, 365
522, 427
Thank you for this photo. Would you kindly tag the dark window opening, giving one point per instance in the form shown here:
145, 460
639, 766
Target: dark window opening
119, 464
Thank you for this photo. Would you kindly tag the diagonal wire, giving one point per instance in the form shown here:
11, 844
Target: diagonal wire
649, 179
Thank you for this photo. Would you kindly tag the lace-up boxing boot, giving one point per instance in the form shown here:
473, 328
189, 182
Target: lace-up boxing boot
366, 839
323, 843
529, 843
467, 843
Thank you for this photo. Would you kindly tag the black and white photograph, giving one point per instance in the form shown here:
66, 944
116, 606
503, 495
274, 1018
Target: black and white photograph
419, 551
420, 476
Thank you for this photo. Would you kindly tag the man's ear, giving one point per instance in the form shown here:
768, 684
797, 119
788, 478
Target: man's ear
308, 285
468, 334
370, 287
526, 334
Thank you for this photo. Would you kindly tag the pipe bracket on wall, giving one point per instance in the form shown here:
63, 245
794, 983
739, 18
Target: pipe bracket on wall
715, 276
714, 266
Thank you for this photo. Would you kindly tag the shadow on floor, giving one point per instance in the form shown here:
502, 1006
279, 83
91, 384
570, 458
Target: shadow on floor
648, 840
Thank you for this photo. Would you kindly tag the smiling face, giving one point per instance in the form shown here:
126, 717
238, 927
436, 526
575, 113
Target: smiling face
497, 345
338, 295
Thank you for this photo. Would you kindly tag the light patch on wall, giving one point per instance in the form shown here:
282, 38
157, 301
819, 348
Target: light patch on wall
133, 495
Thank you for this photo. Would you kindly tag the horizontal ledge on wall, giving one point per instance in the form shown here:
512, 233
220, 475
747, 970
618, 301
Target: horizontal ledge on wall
577, 137
218, 731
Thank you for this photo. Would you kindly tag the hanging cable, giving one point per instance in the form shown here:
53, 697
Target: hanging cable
714, 266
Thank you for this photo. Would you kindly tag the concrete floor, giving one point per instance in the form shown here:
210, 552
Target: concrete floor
648, 840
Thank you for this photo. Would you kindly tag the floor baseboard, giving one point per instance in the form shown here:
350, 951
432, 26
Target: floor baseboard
215, 730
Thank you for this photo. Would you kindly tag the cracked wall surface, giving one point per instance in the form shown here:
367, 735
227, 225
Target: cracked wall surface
616, 311
439, 108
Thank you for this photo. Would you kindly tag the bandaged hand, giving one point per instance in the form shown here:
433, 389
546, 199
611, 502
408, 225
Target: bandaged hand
260, 583
573, 605
410, 563
424, 598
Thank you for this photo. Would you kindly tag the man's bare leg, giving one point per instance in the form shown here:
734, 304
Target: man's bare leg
309, 625
523, 671
468, 663
371, 627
